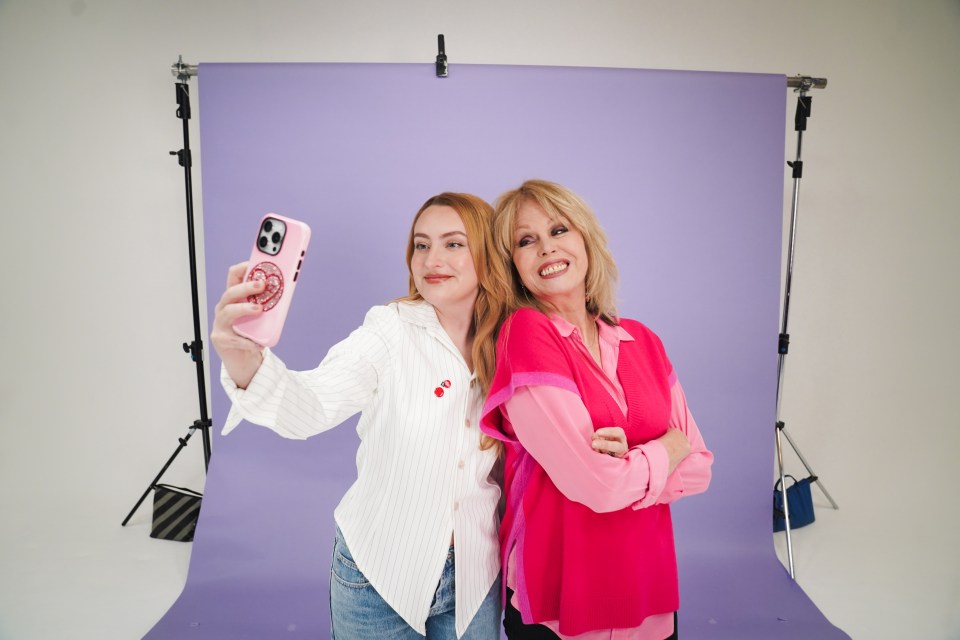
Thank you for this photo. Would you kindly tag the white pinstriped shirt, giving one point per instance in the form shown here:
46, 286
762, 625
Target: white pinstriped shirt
421, 473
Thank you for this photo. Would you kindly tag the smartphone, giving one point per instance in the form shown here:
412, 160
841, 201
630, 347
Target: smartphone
276, 259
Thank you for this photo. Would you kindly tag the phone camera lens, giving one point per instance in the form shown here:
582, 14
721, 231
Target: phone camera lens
267, 226
276, 236
262, 242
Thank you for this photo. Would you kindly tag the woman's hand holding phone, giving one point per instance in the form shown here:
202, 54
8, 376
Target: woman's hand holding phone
251, 313
241, 356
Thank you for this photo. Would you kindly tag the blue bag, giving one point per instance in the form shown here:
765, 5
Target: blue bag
800, 501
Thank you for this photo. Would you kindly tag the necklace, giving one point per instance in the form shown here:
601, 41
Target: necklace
594, 346
592, 338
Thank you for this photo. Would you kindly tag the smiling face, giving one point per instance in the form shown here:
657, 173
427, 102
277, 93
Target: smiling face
550, 256
441, 263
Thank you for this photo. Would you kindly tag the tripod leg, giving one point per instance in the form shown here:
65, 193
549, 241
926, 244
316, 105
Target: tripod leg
809, 470
183, 443
786, 505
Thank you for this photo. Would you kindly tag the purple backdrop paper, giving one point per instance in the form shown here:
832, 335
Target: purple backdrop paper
685, 170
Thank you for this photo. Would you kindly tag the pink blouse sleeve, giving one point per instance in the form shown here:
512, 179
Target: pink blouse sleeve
553, 425
692, 475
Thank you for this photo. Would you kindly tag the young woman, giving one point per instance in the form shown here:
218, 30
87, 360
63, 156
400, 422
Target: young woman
416, 550
586, 541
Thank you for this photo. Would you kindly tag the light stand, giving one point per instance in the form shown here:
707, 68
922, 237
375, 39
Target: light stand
802, 84
195, 348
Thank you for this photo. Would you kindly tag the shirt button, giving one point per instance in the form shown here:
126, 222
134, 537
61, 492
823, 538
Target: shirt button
466, 422
456, 506
460, 465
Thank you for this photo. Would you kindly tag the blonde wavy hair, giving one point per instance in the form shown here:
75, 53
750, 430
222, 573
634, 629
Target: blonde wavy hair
559, 203
490, 308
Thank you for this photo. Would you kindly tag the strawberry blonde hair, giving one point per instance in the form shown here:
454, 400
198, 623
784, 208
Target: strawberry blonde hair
490, 308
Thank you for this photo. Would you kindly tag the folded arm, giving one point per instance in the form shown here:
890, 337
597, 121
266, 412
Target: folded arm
554, 426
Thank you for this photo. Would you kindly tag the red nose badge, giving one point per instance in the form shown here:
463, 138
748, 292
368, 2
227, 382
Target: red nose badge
439, 390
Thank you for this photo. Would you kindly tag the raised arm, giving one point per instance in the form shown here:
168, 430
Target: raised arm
296, 404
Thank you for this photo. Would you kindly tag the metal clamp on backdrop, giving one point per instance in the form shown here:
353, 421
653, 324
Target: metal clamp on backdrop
442, 70
182, 71
805, 83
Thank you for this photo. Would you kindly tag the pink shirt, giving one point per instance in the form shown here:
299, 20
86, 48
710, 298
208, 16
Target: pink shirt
597, 480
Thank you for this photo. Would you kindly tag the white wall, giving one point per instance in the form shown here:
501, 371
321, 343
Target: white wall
96, 390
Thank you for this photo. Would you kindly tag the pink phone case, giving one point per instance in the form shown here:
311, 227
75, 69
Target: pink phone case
276, 258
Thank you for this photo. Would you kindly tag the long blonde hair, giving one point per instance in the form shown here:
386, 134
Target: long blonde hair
490, 308
558, 202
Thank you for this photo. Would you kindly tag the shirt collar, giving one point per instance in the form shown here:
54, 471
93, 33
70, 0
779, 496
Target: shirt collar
419, 312
612, 334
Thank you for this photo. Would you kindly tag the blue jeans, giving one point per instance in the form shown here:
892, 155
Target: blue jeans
357, 612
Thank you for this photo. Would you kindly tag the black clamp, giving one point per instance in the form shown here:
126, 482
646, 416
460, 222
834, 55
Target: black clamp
441, 58
184, 157
783, 344
183, 100
804, 102
195, 349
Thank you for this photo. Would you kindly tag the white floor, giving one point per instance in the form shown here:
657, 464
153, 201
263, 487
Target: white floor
69, 570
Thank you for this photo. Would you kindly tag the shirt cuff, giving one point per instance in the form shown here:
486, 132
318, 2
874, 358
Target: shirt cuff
658, 462
246, 404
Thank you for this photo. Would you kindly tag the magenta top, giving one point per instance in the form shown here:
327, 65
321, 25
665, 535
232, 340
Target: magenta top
583, 503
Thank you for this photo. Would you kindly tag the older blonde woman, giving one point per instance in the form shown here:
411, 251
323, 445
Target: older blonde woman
587, 540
